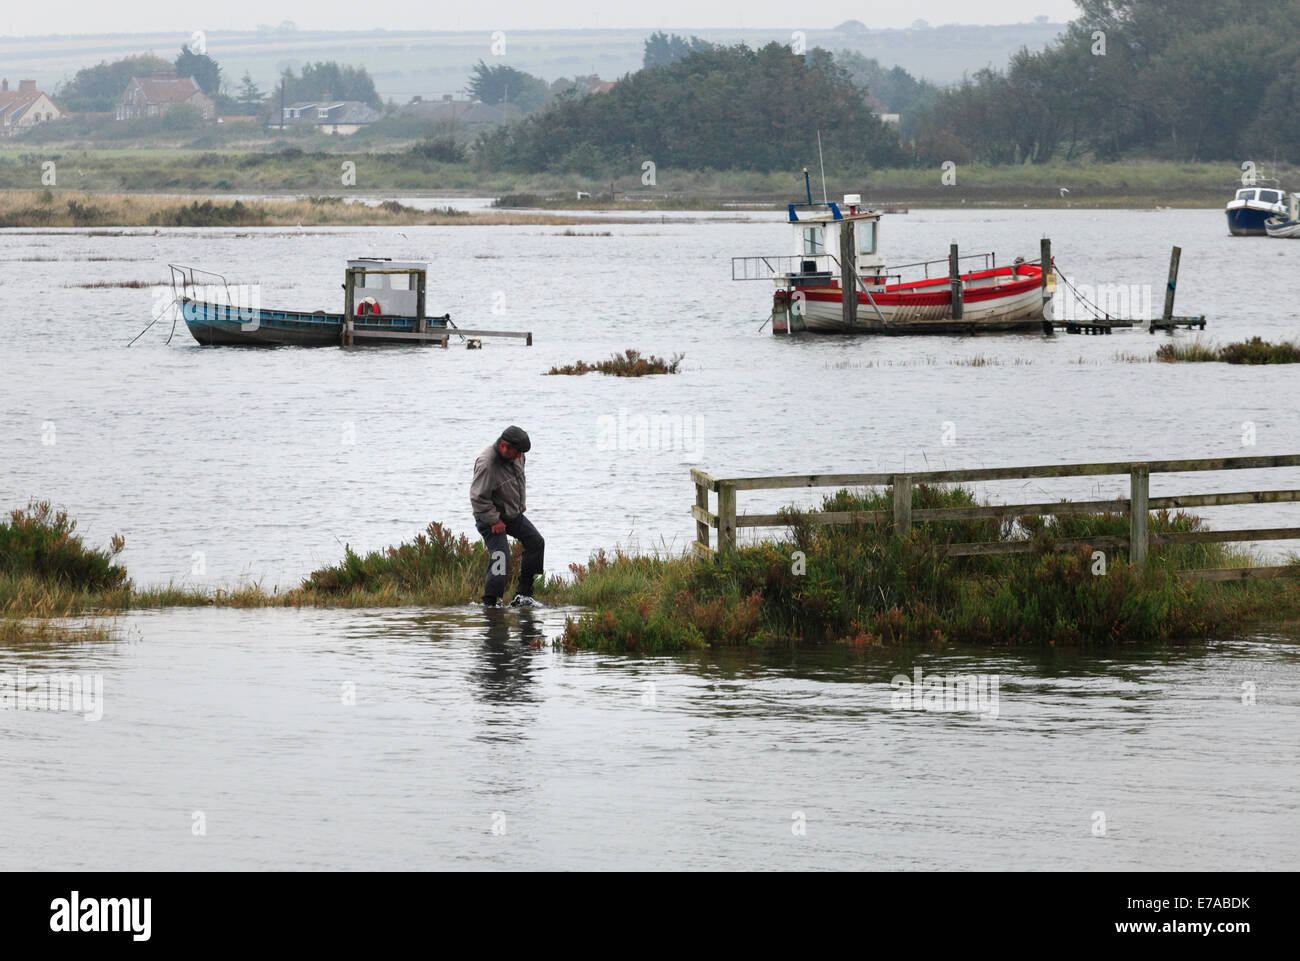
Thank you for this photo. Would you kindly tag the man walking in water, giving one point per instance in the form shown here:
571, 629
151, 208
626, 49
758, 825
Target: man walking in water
497, 499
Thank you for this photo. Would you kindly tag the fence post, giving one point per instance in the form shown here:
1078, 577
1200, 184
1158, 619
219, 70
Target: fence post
702, 502
1139, 496
902, 504
726, 516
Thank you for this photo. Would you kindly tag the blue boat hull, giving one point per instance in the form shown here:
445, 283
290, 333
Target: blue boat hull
217, 325
1245, 222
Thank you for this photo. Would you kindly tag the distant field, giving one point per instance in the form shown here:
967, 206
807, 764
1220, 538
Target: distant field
161, 169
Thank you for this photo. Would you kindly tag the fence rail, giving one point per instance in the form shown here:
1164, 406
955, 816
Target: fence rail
726, 521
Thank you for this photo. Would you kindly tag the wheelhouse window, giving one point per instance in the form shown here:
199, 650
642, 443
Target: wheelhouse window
866, 237
1269, 196
1245, 195
814, 244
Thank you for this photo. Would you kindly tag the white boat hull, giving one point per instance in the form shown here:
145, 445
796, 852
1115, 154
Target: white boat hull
927, 307
1286, 228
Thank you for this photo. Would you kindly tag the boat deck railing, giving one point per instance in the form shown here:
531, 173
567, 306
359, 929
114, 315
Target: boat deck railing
766, 267
990, 261
185, 283
771, 266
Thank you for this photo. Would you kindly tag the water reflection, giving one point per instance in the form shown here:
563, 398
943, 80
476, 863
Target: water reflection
504, 668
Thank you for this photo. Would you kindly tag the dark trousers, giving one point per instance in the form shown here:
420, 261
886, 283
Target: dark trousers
522, 530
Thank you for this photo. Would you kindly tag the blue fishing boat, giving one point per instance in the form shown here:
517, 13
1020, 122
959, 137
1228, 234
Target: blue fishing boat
1252, 206
383, 304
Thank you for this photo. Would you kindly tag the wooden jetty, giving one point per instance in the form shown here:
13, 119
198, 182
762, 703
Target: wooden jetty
726, 521
1104, 325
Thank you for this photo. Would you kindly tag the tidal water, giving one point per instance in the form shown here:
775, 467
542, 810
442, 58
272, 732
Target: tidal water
412, 739
471, 743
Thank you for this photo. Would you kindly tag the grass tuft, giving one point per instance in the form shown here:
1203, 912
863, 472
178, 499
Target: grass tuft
1253, 351
630, 363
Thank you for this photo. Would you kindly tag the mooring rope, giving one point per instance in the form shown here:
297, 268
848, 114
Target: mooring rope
1097, 312
155, 320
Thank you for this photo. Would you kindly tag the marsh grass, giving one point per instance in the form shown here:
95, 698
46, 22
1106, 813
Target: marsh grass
858, 585
1253, 351
36, 631
630, 363
131, 284
24, 208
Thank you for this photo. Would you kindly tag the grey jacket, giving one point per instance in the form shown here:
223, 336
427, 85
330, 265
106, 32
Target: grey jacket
497, 492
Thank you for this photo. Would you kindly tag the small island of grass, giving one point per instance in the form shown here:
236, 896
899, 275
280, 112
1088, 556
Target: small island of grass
630, 363
1253, 351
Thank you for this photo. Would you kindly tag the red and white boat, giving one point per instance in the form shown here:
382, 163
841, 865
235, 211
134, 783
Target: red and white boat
810, 282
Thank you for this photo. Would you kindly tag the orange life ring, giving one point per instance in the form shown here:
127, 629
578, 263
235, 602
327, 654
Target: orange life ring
367, 306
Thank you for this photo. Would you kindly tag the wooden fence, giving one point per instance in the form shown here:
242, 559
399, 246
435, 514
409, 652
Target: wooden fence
1137, 505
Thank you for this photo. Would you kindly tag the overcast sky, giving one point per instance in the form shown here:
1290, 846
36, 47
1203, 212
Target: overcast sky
139, 16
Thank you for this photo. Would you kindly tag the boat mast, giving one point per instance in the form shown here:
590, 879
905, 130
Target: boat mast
822, 161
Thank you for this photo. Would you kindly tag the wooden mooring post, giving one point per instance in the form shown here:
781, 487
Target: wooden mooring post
1167, 319
954, 277
1172, 286
848, 277
349, 303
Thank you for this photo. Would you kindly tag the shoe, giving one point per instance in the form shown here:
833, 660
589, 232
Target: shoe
526, 600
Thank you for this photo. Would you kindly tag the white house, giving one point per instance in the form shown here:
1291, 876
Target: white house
25, 107
330, 116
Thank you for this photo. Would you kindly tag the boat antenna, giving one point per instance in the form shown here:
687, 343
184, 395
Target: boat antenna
807, 185
823, 163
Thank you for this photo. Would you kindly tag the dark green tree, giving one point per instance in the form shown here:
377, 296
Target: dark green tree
249, 94
698, 113
1184, 79
662, 49
503, 84
99, 88
329, 80
204, 70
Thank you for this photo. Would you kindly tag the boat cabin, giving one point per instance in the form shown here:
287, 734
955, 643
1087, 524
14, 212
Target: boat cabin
818, 234
388, 288
1260, 195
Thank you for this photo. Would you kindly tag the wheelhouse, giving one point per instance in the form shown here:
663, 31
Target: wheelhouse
378, 285
1260, 195
818, 229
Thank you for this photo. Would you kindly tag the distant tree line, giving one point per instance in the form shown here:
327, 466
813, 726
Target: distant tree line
1196, 80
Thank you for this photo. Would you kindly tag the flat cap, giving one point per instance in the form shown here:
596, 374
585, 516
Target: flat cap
517, 438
